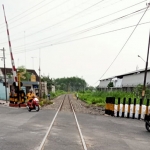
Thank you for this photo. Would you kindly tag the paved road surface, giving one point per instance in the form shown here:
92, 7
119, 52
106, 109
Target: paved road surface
23, 130
110, 133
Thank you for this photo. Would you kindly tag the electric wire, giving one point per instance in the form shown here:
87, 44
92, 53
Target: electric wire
91, 36
91, 28
109, 6
109, 22
80, 25
50, 18
123, 45
32, 11
23, 12
38, 15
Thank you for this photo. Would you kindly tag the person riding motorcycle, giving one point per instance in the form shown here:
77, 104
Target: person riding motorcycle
30, 96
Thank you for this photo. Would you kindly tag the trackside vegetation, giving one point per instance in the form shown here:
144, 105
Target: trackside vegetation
45, 101
98, 97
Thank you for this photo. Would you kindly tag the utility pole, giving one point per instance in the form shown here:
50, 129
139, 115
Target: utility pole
145, 75
4, 72
19, 85
39, 76
33, 61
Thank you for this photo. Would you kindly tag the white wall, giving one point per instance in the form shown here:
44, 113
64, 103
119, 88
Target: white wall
53, 88
2, 92
118, 83
103, 84
135, 79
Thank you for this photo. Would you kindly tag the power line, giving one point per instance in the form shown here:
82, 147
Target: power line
24, 12
38, 15
53, 17
124, 44
111, 31
91, 28
117, 19
60, 21
32, 11
82, 24
111, 5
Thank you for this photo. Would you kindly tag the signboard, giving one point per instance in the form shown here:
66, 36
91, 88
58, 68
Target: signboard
33, 78
35, 86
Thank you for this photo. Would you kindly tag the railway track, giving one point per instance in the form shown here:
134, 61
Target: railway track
65, 105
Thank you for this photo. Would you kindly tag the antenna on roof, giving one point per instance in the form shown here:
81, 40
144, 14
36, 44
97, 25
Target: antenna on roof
137, 68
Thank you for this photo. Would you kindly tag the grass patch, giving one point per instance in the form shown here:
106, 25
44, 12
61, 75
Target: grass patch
98, 97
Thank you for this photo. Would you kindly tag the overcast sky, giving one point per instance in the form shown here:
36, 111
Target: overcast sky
66, 34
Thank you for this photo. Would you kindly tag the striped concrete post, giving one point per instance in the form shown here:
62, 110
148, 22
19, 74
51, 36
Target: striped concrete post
140, 109
129, 103
146, 112
118, 108
134, 106
123, 108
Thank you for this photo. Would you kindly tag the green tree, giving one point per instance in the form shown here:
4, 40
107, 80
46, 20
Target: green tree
26, 74
138, 91
71, 83
110, 84
49, 81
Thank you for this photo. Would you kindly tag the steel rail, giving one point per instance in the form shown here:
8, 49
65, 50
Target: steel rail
41, 147
81, 136
50, 127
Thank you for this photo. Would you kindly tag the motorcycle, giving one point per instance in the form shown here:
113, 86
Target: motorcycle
33, 105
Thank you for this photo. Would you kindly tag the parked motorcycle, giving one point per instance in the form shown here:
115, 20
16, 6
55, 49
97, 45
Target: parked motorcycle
33, 105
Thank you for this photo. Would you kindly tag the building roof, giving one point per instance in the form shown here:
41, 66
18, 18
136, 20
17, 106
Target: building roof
126, 74
9, 70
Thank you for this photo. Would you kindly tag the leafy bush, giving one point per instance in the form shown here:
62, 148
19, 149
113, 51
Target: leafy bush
99, 97
44, 102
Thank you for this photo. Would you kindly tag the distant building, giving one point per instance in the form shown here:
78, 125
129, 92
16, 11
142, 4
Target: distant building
32, 83
53, 89
126, 81
44, 88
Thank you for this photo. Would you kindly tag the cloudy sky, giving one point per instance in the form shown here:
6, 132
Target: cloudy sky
76, 37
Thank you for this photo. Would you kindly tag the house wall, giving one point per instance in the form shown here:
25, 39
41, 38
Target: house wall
1, 74
2, 92
44, 88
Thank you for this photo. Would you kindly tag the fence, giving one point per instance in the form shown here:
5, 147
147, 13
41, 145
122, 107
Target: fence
127, 109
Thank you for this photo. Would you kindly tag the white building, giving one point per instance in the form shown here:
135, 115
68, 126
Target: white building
128, 80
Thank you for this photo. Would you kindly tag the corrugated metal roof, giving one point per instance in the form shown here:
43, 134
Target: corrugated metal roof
126, 74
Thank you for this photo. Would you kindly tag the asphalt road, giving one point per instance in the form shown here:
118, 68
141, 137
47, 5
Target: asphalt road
111, 133
23, 130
